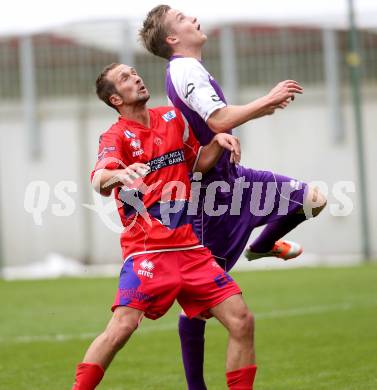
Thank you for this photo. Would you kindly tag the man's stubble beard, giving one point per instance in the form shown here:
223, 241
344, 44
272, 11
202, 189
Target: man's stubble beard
144, 99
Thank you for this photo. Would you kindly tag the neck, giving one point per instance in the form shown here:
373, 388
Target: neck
137, 113
189, 52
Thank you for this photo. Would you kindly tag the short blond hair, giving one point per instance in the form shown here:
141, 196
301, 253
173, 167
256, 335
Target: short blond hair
153, 33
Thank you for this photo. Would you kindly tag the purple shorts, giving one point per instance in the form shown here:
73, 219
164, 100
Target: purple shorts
253, 199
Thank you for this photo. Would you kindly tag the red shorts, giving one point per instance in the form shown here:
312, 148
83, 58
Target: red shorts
151, 282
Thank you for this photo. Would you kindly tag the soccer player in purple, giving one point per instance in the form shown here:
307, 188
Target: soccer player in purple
252, 198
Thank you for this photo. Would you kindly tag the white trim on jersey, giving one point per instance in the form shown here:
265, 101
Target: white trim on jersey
186, 132
197, 159
191, 83
163, 250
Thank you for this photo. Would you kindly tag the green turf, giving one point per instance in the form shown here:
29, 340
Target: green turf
316, 329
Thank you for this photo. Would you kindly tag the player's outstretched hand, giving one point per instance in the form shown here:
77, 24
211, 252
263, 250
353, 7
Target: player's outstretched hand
231, 143
283, 93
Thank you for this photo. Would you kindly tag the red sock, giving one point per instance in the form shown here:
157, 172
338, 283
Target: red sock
88, 375
241, 379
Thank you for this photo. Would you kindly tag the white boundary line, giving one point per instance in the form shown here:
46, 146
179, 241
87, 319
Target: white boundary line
295, 312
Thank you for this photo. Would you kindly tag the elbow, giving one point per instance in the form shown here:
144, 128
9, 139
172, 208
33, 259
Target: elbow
218, 126
106, 193
97, 188
202, 168
206, 162
203, 165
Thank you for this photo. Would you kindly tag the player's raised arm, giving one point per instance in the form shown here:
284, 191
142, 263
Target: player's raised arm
229, 117
190, 83
211, 153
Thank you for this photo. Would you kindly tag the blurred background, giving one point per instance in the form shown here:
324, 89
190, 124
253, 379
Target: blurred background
50, 119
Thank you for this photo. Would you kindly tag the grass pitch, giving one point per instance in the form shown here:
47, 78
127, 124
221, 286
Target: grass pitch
316, 329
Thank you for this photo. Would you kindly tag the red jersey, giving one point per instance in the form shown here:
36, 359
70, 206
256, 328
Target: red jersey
171, 151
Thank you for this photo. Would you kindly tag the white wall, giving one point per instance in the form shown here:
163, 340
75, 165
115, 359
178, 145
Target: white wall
296, 142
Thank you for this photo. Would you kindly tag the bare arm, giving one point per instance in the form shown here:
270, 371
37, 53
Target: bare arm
105, 180
229, 117
211, 153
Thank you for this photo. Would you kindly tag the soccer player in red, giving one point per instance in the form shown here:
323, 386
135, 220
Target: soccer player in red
145, 158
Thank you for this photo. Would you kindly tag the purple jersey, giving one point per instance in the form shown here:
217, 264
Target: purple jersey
269, 196
197, 94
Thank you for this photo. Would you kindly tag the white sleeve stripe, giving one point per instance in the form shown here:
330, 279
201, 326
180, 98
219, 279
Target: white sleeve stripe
186, 132
197, 159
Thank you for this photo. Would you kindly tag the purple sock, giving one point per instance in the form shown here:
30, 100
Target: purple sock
274, 231
191, 333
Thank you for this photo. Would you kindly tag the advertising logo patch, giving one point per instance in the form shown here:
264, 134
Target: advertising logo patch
105, 150
169, 116
147, 265
189, 89
157, 141
129, 134
136, 144
172, 158
223, 279
146, 269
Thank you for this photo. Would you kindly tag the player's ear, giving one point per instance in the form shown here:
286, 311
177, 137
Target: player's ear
116, 100
171, 40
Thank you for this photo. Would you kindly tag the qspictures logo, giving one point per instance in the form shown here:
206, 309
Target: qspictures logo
59, 200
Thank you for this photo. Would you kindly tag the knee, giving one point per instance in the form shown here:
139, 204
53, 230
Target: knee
242, 325
120, 331
315, 202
